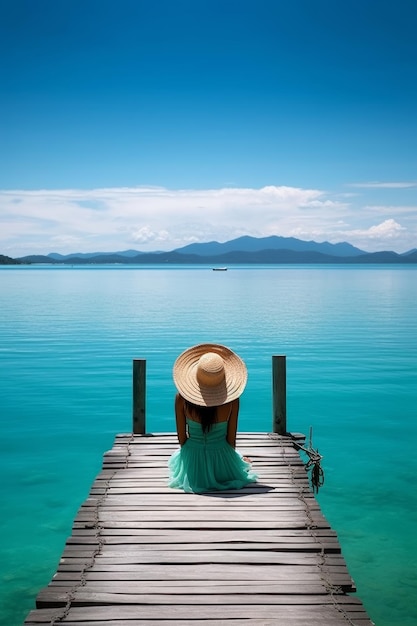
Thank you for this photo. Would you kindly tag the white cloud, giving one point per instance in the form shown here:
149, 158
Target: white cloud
146, 235
156, 218
381, 236
398, 210
385, 185
386, 231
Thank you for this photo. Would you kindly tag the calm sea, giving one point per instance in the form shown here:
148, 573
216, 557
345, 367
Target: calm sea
67, 340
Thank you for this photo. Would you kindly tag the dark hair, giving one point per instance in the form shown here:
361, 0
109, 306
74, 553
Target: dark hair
206, 415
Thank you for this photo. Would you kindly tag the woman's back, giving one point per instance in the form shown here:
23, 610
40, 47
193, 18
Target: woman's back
216, 435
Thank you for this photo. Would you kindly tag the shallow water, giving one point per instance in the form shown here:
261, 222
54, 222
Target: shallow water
67, 340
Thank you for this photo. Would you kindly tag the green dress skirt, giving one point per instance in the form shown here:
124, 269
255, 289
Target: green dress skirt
207, 462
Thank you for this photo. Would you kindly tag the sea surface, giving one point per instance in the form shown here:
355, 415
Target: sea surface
68, 336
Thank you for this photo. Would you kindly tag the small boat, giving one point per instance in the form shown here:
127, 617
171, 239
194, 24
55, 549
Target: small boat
219, 269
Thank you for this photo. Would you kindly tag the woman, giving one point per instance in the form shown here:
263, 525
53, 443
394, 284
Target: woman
210, 379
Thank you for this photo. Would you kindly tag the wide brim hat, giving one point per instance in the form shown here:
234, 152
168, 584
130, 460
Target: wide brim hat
209, 374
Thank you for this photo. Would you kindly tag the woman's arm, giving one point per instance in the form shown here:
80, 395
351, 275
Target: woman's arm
180, 419
232, 423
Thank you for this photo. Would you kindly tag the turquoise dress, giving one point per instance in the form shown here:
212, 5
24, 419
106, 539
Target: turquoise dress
207, 462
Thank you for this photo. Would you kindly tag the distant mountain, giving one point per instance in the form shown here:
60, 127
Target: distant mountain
36, 258
109, 258
89, 255
411, 256
385, 257
247, 250
7, 260
253, 244
249, 258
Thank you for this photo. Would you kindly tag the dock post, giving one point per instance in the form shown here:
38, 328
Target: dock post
139, 396
279, 394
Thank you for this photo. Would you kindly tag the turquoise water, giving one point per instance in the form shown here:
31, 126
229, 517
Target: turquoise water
67, 340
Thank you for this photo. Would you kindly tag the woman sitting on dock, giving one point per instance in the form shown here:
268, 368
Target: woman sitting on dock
210, 378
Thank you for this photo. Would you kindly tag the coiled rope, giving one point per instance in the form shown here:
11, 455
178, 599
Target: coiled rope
313, 464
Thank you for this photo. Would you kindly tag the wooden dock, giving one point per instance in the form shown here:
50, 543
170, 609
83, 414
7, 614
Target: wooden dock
144, 554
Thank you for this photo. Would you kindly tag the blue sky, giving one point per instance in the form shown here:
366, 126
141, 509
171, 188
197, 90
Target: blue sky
153, 124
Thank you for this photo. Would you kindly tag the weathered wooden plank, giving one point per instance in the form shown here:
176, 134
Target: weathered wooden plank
85, 597
201, 506
129, 554
134, 521
201, 543
155, 488
149, 494
294, 585
328, 614
335, 579
134, 503
151, 581
193, 569
196, 535
270, 621
282, 546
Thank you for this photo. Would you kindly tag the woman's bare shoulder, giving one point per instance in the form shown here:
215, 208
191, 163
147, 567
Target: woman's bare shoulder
224, 412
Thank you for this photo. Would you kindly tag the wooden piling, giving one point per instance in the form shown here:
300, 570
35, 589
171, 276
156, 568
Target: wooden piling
279, 394
139, 396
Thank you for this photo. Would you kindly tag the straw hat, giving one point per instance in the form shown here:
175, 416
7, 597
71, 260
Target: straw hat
209, 374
